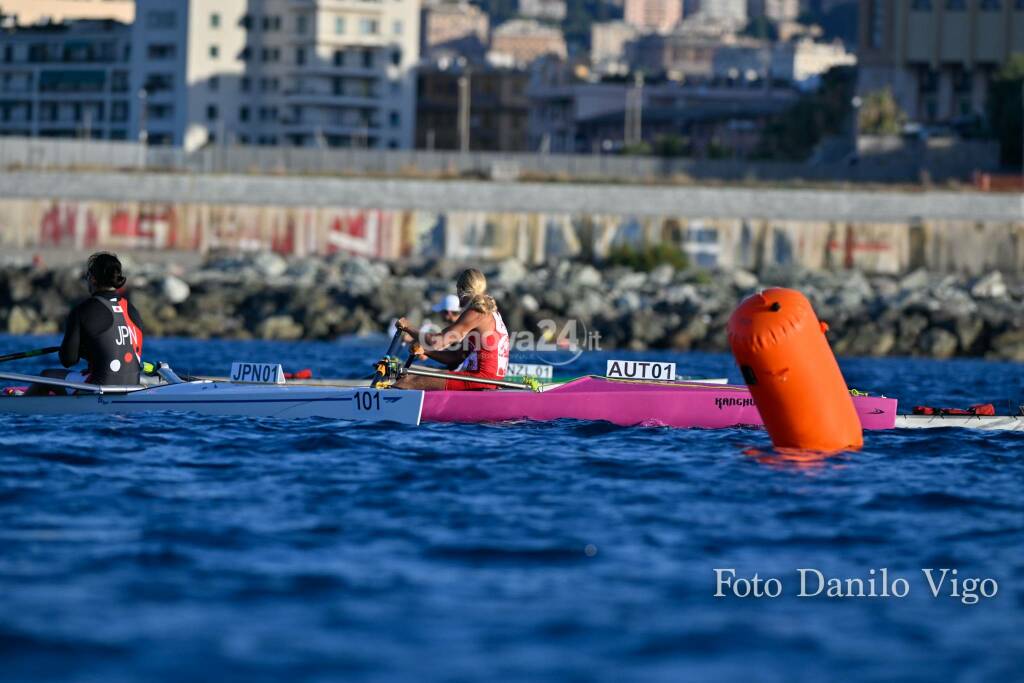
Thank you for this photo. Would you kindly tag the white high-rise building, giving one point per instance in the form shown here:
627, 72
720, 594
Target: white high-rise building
335, 73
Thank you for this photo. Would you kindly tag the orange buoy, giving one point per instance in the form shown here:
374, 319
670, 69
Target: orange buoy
781, 349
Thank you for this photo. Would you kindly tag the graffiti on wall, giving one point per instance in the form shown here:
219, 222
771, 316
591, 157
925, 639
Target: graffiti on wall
529, 237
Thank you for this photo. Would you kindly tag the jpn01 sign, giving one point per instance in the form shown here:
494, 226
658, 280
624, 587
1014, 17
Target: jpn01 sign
259, 373
638, 369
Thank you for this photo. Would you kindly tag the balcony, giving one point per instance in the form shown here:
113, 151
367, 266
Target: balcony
332, 99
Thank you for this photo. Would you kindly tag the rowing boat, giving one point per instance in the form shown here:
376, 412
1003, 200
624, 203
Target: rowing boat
998, 423
221, 398
627, 403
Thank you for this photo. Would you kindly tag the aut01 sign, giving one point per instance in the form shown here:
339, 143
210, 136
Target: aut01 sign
638, 369
260, 373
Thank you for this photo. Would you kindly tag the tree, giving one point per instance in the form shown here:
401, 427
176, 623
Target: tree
1004, 109
793, 134
880, 114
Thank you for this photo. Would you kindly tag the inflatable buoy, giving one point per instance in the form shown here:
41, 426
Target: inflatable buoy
781, 349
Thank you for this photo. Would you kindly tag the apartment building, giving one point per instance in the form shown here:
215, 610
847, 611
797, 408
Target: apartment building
608, 42
653, 15
937, 56
776, 10
66, 80
498, 108
546, 10
28, 12
456, 26
330, 73
732, 11
522, 41
569, 116
799, 62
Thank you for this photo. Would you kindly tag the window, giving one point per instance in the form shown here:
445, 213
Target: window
159, 82
300, 24
158, 51
8, 53
368, 27
243, 114
245, 55
245, 22
339, 25
214, 20
368, 59
161, 19
991, 5
276, 23
214, 83
395, 119
266, 23
245, 84
300, 55
211, 112
214, 51
339, 58
921, 5
396, 57
119, 111
158, 112
119, 81
956, 5
396, 27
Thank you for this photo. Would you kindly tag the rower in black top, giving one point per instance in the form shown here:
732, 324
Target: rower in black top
104, 330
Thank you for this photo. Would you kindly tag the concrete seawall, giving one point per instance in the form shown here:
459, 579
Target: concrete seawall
876, 232
499, 197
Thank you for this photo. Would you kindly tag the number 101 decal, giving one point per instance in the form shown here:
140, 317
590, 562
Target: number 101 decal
367, 400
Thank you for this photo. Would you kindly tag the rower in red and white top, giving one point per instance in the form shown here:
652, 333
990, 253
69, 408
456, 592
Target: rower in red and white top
477, 344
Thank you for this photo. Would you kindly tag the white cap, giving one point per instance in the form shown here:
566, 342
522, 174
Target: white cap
449, 303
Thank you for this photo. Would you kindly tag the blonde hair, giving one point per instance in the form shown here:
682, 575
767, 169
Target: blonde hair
473, 285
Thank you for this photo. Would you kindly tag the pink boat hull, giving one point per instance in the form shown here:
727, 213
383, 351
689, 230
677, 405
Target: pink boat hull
707, 406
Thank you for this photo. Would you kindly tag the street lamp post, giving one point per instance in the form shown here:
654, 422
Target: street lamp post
464, 86
143, 133
855, 104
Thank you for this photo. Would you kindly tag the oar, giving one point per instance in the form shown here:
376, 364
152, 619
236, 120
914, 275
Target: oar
396, 343
430, 372
29, 354
79, 386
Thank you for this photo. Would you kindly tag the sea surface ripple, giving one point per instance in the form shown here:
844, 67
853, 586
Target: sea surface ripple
172, 547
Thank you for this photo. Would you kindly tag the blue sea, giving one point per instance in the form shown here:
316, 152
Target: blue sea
182, 548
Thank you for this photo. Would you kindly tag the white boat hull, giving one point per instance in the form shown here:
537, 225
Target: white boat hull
1000, 423
225, 398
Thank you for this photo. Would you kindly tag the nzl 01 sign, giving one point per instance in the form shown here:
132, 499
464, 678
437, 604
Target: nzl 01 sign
259, 373
530, 370
639, 369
